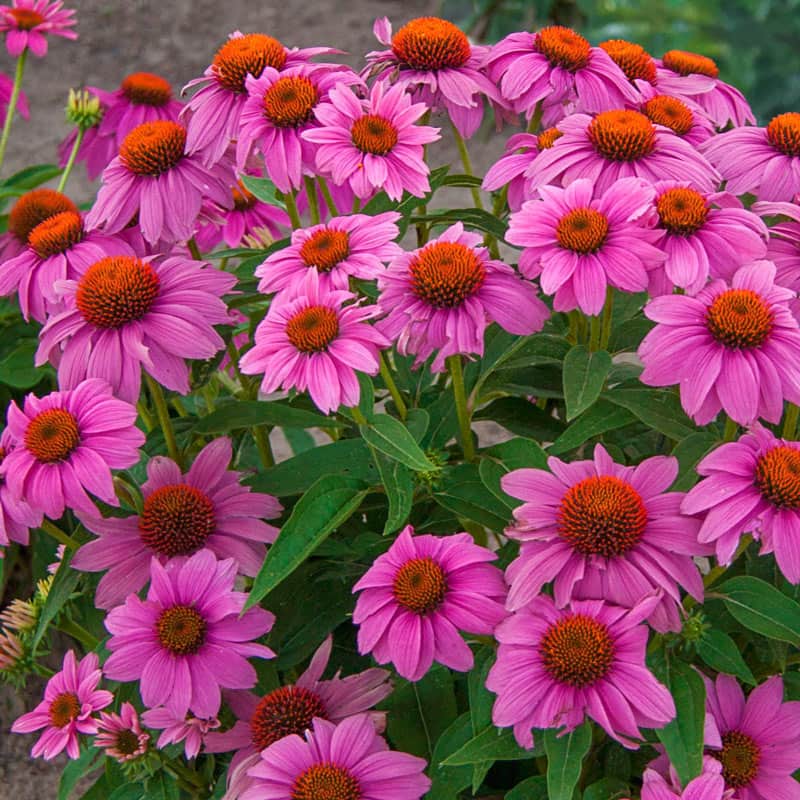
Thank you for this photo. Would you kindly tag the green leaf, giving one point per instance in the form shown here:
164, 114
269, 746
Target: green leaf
491, 744
585, 374
600, 418
501, 459
325, 506
396, 479
689, 452
392, 438
130, 791
247, 413
448, 782
64, 582
542, 348
720, 652
657, 409
471, 217
565, 756
263, 189
534, 788
75, 770
28, 178
762, 608
464, 494
17, 369
606, 788
523, 418
161, 787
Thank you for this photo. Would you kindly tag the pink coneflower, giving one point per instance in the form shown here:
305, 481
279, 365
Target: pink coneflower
703, 235
348, 761
311, 341
177, 728
213, 113
155, 176
59, 248
437, 64
16, 516
580, 243
124, 314
709, 785
557, 666
358, 245
189, 637
632, 59
205, 508
6, 88
684, 73
279, 107
373, 144
760, 738
121, 735
729, 347
783, 248
762, 161
416, 597
66, 444
27, 212
70, 698
619, 144
600, 530
441, 297
751, 486
679, 114
28, 23
262, 721
558, 66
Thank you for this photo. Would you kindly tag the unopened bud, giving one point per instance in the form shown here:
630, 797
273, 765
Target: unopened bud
83, 109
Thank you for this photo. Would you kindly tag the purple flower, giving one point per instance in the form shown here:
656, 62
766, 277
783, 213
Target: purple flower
709, 785
16, 516
177, 728
28, 23
121, 735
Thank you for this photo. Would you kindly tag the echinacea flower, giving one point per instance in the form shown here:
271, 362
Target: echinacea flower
311, 341
121, 735
27, 212
416, 597
681, 115
441, 298
783, 248
214, 111
65, 444
357, 246
620, 143
16, 516
578, 243
730, 347
438, 65
156, 177
600, 530
205, 508
348, 761
632, 59
555, 667
761, 161
71, 697
708, 785
373, 144
6, 90
28, 23
189, 637
760, 738
262, 721
177, 728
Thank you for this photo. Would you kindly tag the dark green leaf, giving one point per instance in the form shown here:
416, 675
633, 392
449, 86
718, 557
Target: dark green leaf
523, 418
720, 652
471, 217
606, 788
88, 761
448, 782
539, 349
161, 787
762, 608
491, 744
600, 418
64, 582
584, 376
534, 788
247, 413
565, 756
130, 791
657, 409
17, 368
689, 451
501, 459
392, 438
396, 479
464, 494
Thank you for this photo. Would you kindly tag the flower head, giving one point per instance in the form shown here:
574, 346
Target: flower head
783, 248
730, 347
632, 59
177, 728
121, 735
27, 212
709, 785
71, 697
16, 516
555, 667
28, 23
189, 637
682, 115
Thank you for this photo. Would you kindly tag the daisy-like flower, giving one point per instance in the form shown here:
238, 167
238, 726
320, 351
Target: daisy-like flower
619, 144
124, 314
600, 530
205, 508
279, 107
762, 161
213, 113
6, 90
580, 244
59, 248
709, 785
555, 667
262, 721
783, 248
67, 443
71, 697
121, 735
679, 114
437, 64
189, 637
156, 177
348, 761
557, 66
441, 297
27, 212
358, 245
731, 347
311, 341
28, 23
632, 59
703, 235
373, 144
751, 486
16, 516
760, 738
417, 596
177, 728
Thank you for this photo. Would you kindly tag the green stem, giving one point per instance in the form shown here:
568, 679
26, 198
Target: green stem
790, 422
467, 162
356, 204
194, 249
79, 633
608, 312
326, 194
536, 119
145, 414
12, 103
71, 161
595, 327
233, 353
291, 210
62, 538
313, 204
261, 436
358, 416
462, 410
731, 429
162, 410
386, 374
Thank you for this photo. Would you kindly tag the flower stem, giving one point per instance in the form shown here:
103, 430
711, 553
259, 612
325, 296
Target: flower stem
462, 410
467, 162
313, 204
261, 436
291, 209
386, 374
71, 162
194, 249
164, 419
326, 194
608, 311
62, 538
731, 429
790, 422
12, 103
595, 327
